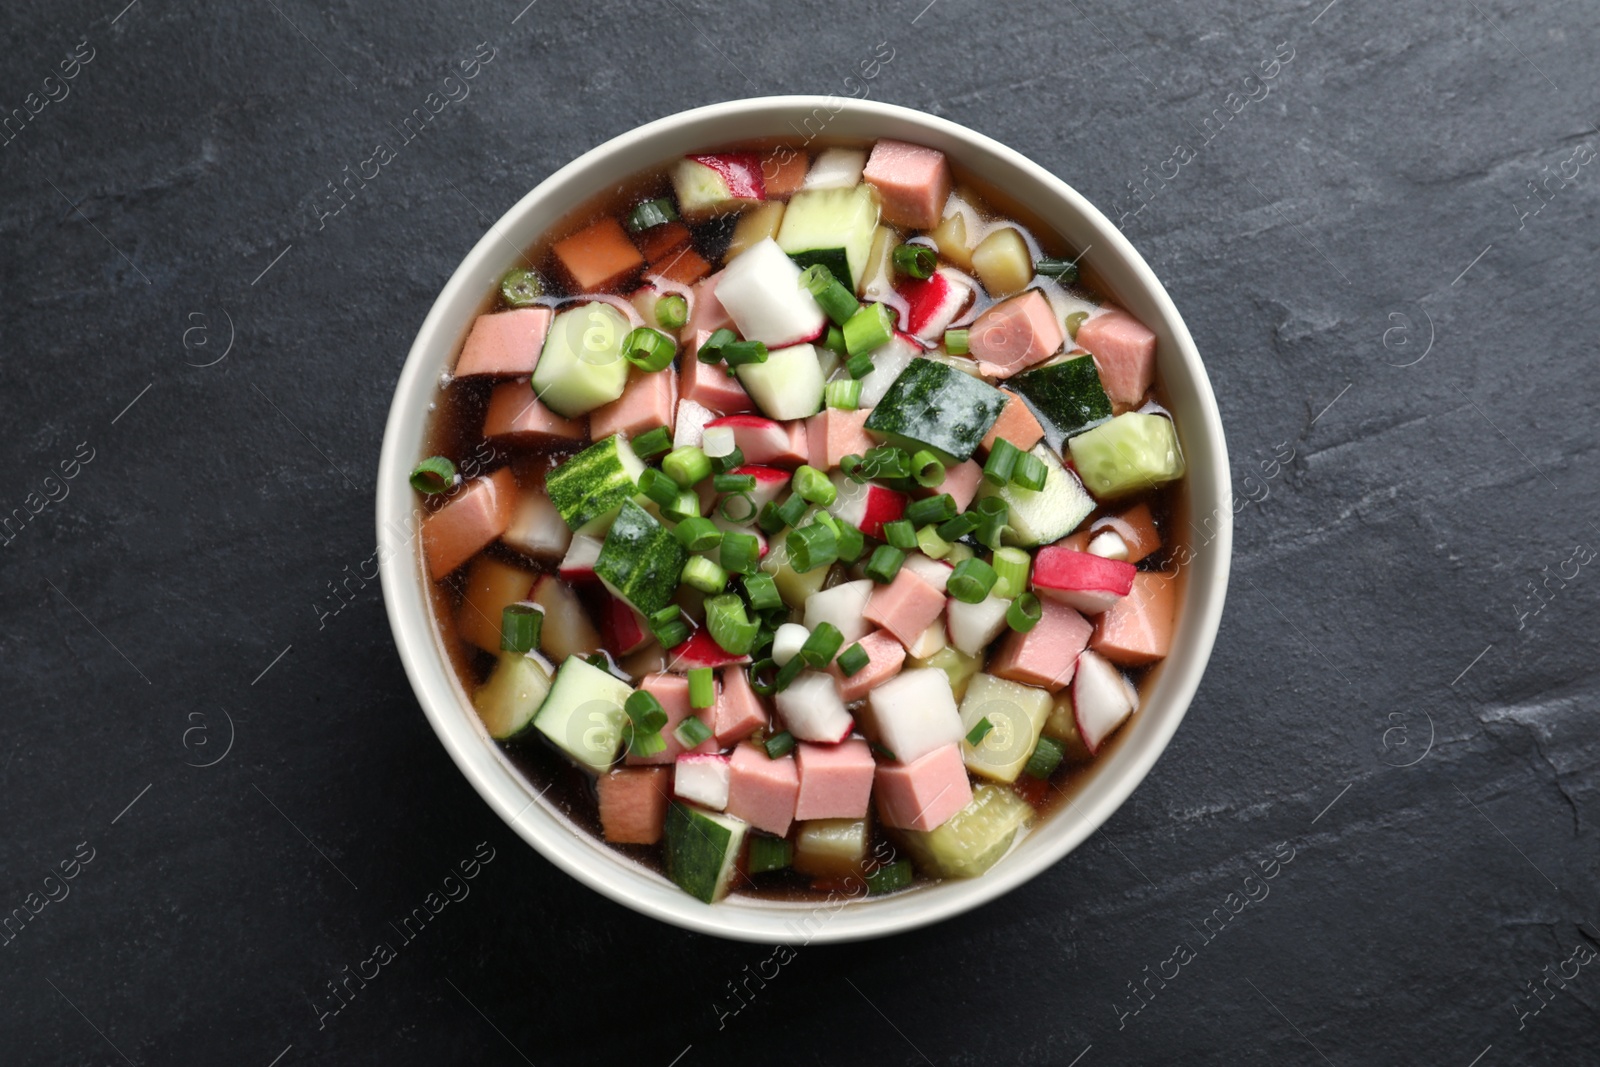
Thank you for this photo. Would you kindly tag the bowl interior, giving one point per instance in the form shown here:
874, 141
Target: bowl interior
1125, 278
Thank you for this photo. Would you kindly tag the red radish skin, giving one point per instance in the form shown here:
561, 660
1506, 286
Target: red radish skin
621, 627
770, 481
764, 441
739, 171
933, 303
1089, 583
578, 564
700, 650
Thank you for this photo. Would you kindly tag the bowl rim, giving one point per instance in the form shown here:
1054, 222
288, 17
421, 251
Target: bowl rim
614, 875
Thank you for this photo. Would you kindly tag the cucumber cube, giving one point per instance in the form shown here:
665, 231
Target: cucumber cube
1067, 397
1040, 516
702, 848
581, 366
974, 838
833, 227
583, 713
516, 688
641, 560
589, 488
932, 405
1016, 714
1130, 453
788, 385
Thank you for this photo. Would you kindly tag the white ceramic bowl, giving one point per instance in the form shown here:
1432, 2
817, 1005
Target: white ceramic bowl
1125, 277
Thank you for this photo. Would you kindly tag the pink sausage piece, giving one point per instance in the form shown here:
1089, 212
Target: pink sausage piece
505, 344
832, 434
1124, 352
1138, 628
923, 794
480, 512
762, 791
913, 182
886, 656
673, 692
1016, 424
650, 400
516, 415
1046, 655
906, 606
835, 780
739, 712
1015, 334
709, 385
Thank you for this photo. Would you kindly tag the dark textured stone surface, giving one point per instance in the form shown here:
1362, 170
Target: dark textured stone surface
1392, 554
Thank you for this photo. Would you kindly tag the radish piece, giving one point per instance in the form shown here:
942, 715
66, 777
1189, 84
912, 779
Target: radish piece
1088, 583
1102, 699
621, 627
701, 650
770, 481
973, 626
787, 642
761, 290
719, 442
703, 779
812, 710
931, 641
578, 564
933, 303
567, 629
762, 440
915, 713
935, 572
887, 363
537, 528
1106, 545
836, 168
866, 505
842, 606
739, 171
690, 424
788, 385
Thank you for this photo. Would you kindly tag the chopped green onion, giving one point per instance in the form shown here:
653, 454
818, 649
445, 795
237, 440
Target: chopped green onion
649, 350
733, 483
884, 752
859, 366
821, 646
651, 213
788, 673
843, 394
769, 520
958, 552
705, 575
672, 311
645, 710
853, 659
850, 465
668, 626
992, 515
811, 546
687, 506
1001, 463
931, 544
731, 628
737, 507
1011, 567
762, 589
759, 673
917, 261
702, 690
740, 353
885, 564
521, 287
1064, 271
433, 475
957, 342
957, 528
931, 509
1024, 613
852, 542
740, 551
691, 733
658, 487
718, 441
1046, 757
769, 854
520, 627
792, 510
887, 461
711, 348
890, 878
812, 485
643, 743
837, 302
901, 534
1030, 471
833, 340
779, 744
729, 462
868, 329
927, 469
1075, 320
697, 534
687, 465
971, 581
652, 443
979, 731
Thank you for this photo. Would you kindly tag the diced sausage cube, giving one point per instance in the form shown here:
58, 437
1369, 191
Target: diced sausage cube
922, 794
886, 656
490, 585
1124, 351
673, 692
650, 400
913, 182
783, 172
479, 513
1138, 628
1016, 424
598, 259
505, 344
659, 242
1136, 527
1015, 334
686, 266
905, 607
517, 416
762, 791
633, 804
961, 482
738, 712
710, 385
1046, 655
835, 780
832, 434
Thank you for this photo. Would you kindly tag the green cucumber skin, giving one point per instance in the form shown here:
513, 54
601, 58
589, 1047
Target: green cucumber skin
833, 227
938, 407
1067, 397
698, 847
640, 560
834, 259
592, 484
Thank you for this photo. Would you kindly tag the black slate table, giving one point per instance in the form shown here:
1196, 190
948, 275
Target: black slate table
1385, 248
